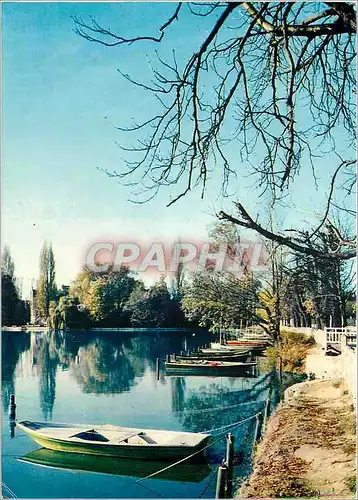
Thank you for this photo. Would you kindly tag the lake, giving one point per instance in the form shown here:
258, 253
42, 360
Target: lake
101, 377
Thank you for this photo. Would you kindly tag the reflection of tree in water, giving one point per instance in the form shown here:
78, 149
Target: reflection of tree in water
12, 345
147, 347
47, 363
212, 406
177, 388
110, 363
102, 367
106, 364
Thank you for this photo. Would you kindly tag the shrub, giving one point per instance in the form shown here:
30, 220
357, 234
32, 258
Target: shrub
292, 349
351, 482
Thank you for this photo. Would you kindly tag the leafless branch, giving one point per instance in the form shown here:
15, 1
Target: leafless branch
247, 222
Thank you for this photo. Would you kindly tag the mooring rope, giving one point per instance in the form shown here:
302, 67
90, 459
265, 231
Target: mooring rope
156, 493
8, 490
219, 408
179, 461
236, 424
233, 425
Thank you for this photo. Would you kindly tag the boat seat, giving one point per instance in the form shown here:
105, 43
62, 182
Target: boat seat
91, 435
138, 438
147, 438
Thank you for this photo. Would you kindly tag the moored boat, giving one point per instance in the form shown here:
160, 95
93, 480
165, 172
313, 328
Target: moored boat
202, 367
216, 346
186, 472
111, 440
212, 355
253, 348
247, 343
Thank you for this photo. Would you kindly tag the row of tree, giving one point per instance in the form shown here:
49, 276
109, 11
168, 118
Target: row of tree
297, 289
14, 310
116, 299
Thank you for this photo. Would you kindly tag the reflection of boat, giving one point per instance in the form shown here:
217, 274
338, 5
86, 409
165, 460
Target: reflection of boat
110, 440
186, 472
208, 367
215, 356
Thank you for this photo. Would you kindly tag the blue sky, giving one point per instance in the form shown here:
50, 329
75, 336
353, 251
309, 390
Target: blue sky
57, 90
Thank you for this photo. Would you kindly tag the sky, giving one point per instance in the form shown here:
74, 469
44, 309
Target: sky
62, 96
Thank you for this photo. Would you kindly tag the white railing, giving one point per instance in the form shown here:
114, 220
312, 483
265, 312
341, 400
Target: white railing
339, 336
342, 366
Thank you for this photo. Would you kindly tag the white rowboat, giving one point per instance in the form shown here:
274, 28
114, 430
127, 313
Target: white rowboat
110, 440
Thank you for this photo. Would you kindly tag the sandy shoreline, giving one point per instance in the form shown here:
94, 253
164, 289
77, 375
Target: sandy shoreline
309, 447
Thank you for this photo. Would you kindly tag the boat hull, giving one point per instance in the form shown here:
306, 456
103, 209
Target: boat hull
157, 452
246, 343
208, 369
215, 356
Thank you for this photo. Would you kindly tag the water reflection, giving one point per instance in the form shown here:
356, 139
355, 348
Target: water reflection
11, 348
103, 368
188, 472
47, 363
212, 406
99, 363
177, 389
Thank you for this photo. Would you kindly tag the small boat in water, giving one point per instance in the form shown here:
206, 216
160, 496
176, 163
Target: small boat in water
212, 355
185, 472
206, 367
113, 441
224, 348
246, 346
247, 343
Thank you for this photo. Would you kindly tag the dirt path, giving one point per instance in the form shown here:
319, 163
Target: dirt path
309, 447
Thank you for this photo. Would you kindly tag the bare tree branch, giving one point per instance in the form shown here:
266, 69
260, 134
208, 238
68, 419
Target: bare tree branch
277, 79
247, 222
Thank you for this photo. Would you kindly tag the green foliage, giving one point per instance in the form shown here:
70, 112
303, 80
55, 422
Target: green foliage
22, 312
14, 311
9, 300
46, 287
267, 310
151, 307
351, 308
351, 482
80, 285
104, 296
217, 300
7, 264
67, 314
292, 349
117, 299
42, 297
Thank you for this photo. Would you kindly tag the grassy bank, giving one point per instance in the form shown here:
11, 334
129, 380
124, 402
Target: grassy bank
292, 350
309, 447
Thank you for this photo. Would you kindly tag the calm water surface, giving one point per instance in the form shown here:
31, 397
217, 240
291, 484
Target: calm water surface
111, 378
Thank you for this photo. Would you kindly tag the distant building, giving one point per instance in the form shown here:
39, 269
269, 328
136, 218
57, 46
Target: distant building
33, 307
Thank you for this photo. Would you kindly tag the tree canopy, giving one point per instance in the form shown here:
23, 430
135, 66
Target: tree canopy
14, 310
46, 288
